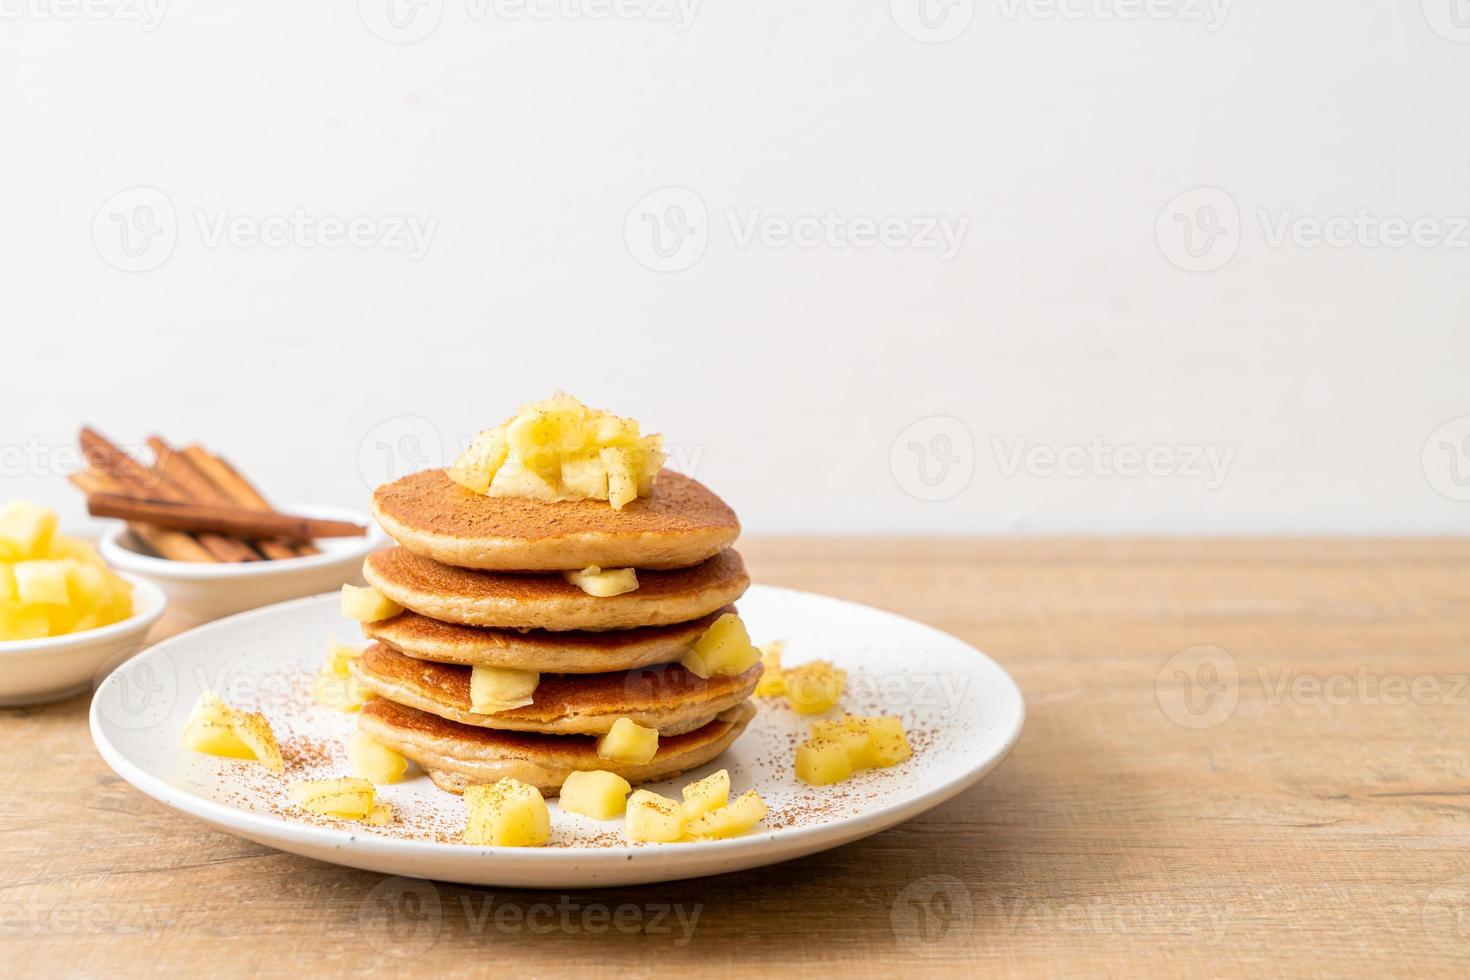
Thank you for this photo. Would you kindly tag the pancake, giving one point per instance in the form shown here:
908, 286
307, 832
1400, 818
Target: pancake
680, 524
478, 598
667, 698
570, 652
456, 756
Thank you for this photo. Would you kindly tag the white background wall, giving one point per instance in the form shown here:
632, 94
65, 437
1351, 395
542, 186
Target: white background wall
803, 383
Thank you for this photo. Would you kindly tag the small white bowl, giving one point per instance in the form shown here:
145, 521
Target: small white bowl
54, 668
201, 591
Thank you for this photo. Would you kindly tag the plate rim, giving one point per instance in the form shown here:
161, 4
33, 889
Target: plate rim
255, 825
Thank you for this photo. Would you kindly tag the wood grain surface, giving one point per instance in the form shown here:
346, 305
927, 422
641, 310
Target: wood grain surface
1241, 758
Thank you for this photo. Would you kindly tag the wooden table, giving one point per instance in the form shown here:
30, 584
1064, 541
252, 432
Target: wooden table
1307, 814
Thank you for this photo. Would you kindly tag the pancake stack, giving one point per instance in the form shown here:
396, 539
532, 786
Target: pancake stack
480, 579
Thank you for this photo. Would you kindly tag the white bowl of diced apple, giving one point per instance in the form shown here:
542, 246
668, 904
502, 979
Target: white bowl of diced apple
64, 615
198, 592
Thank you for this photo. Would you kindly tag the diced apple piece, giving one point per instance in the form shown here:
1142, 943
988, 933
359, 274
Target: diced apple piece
62, 546
339, 659
478, 464
603, 583
373, 761
739, 816
41, 582
496, 689
652, 817
821, 761
724, 649
652, 459
709, 793
349, 797
622, 475
627, 741
814, 687
585, 475
252, 728
367, 605
382, 814
507, 813
214, 738
209, 729
598, 794
25, 530
887, 743
215, 728
338, 693
772, 683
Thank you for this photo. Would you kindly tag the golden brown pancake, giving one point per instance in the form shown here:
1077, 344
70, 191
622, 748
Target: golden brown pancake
457, 756
667, 698
680, 524
570, 652
478, 598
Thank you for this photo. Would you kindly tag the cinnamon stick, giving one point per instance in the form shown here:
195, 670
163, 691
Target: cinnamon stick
138, 481
233, 484
201, 490
175, 545
222, 520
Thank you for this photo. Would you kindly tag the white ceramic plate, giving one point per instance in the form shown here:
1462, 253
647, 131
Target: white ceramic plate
962, 711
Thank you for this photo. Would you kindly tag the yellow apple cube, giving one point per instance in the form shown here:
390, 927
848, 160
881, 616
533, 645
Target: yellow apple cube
887, 743
215, 728
814, 687
507, 813
381, 815
496, 689
214, 738
339, 693
623, 469
598, 794
628, 742
709, 793
477, 466
252, 728
350, 797
773, 682
724, 649
654, 818
367, 605
603, 583
339, 659
25, 530
374, 762
585, 475
41, 582
737, 817
821, 761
